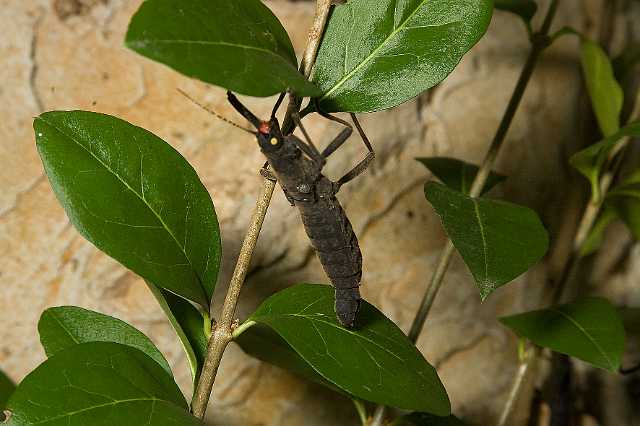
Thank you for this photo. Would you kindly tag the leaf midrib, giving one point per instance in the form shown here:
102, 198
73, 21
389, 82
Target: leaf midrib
312, 319
584, 331
207, 43
96, 407
485, 249
164, 225
64, 328
375, 51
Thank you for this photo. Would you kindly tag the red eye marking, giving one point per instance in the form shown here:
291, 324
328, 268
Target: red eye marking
264, 128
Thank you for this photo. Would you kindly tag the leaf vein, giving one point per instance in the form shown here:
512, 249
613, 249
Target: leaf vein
584, 331
373, 53
164, 225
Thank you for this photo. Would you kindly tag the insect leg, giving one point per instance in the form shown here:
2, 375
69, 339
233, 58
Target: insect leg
338, 141
308, 148
309, 152
335, 144
316, 154
235, 102
277, 105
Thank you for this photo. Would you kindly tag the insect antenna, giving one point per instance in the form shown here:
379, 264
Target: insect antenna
214, 113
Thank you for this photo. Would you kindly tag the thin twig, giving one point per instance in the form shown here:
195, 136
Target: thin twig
378, 416
523, 371
323, 7
223, 332
562, 289
315, 36
432, 290
361, 410
591, 213
539, 43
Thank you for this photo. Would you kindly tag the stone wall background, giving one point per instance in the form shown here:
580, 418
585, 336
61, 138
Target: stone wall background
68, 54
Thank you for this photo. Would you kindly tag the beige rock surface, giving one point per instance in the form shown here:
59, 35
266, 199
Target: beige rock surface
68, 54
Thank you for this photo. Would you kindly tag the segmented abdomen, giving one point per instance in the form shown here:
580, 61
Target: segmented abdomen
337, 247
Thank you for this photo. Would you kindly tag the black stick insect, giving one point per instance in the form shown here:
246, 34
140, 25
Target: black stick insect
297, 165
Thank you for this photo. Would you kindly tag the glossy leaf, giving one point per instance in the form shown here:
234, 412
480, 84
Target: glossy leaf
375, 362
99, 384
605, 92
424, 419
526, 9
239, 45
264, 343
134, 197
66, 326
188, 324
497, 240
591, 160
457, 174
589, 329
596, 234
377, 54
6, 389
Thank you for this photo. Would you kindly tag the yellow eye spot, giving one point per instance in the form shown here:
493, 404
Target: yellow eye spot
274, 141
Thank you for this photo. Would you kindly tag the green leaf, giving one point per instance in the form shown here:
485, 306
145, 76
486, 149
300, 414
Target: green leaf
375, 362
596, 234
605, 92
526, 9
591, 160
6, 389
99, 384
189, 326
457, 174
264, 343
239, 45
66, 326
589, 329
377, 54
497, 240
424, 419
134, 197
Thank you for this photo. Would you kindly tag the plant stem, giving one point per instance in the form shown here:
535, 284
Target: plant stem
362, 411
222, 334
586, 223
593, 208
539, 43
323, 7
378, 416
223, 331
523, 371
432, 290
315, 36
